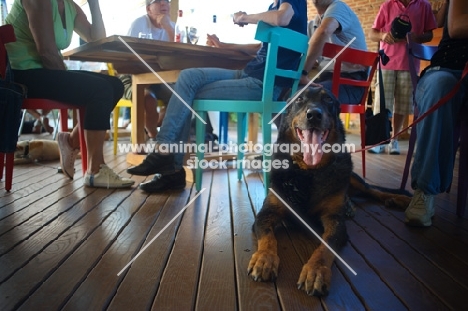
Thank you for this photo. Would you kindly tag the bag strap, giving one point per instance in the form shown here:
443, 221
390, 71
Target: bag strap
383, 60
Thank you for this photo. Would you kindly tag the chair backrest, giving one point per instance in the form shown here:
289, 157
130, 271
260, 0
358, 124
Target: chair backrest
417, 52
355, 57
7, 35
280, 37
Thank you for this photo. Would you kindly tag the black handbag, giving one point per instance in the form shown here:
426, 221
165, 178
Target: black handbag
11, 99
378, 126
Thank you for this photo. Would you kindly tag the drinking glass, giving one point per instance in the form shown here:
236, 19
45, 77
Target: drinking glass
193, 35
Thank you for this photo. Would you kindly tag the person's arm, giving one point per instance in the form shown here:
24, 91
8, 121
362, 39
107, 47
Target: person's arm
165, 23
280, 17
40, 20
425, 37
316, 43
457, 22
95, 30
250, 49
440, 16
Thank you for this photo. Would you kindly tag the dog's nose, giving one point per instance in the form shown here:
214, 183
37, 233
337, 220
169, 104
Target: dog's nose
314, 114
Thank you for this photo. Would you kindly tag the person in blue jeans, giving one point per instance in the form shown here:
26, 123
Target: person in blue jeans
216, 83
433, 163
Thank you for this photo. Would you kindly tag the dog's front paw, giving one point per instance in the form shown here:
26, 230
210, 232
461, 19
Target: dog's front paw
315, 279
263, 266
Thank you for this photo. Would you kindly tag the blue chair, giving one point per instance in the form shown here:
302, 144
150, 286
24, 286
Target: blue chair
277, 37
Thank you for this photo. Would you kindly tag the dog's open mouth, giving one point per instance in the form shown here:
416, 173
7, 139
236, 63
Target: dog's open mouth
312, 142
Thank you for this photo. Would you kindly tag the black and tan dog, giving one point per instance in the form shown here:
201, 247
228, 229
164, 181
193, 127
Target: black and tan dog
315, 184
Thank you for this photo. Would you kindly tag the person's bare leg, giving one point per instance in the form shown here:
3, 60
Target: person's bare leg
45, 121
94, 145
151, 115
398, 120
34, 113
162, 114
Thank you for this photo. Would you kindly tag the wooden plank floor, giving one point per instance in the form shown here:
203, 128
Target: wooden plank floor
63, 245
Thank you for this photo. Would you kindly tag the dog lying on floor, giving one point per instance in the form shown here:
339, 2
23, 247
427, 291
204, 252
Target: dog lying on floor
36, 150
315, 185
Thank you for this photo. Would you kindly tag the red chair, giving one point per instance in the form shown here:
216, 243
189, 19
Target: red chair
7, 35
353, 56
418, 51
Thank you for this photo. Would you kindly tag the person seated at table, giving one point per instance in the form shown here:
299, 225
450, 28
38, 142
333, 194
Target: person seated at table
156, 24
42, 121
336, 23
432, 168
217, 83
42, 29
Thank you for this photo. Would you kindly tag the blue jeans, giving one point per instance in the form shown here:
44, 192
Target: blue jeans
203, 83
432, 168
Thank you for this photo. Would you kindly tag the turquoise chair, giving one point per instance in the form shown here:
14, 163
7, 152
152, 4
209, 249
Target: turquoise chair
276, 37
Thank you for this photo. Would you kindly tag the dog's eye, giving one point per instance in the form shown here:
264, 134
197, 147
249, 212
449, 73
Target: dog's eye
327, 99
299, 99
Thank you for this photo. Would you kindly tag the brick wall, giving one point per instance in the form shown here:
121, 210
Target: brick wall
366, 10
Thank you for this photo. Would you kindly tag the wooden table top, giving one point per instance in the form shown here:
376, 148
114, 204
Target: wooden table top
159, 55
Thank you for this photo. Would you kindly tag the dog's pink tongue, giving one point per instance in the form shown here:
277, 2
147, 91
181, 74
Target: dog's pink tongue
313, 150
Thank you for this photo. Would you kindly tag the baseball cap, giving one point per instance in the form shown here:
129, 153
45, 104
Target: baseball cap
148, 2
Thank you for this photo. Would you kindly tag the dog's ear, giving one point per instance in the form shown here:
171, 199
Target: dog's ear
332, 102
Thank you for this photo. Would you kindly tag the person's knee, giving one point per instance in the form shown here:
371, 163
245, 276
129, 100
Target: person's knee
116, 85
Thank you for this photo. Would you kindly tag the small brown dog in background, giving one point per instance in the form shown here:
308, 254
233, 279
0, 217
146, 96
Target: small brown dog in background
29, 151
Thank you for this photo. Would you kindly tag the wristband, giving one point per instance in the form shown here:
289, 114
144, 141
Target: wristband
304, 73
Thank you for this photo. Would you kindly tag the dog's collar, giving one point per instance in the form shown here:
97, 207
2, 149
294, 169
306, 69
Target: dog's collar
26, 150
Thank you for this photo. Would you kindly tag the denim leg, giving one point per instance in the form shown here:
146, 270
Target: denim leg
432, 167
347, 94
206, 83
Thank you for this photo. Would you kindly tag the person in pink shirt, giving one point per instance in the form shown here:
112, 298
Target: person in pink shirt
395, 74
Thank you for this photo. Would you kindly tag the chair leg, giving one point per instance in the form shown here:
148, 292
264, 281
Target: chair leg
266, 132
56, 126
9, 170
200, 129
223, 127
362, 121
2, 163
115, 127
240, 138
347, 119
64, 120
20, 129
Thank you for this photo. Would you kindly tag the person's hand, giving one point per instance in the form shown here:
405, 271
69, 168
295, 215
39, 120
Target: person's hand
305, 81
213, 40
388, 38
163, 21
237, 17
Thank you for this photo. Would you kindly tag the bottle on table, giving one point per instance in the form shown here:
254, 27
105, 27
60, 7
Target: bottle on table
180, 30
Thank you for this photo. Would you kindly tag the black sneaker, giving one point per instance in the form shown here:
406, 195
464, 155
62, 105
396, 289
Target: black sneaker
154, 163
159, 183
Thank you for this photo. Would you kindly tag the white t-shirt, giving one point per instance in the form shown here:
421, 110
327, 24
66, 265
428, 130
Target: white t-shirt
143, 24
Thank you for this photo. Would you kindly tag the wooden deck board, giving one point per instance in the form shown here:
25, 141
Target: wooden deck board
217, 286
62, 245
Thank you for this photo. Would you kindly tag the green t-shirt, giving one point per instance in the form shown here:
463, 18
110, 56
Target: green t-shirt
23, 53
